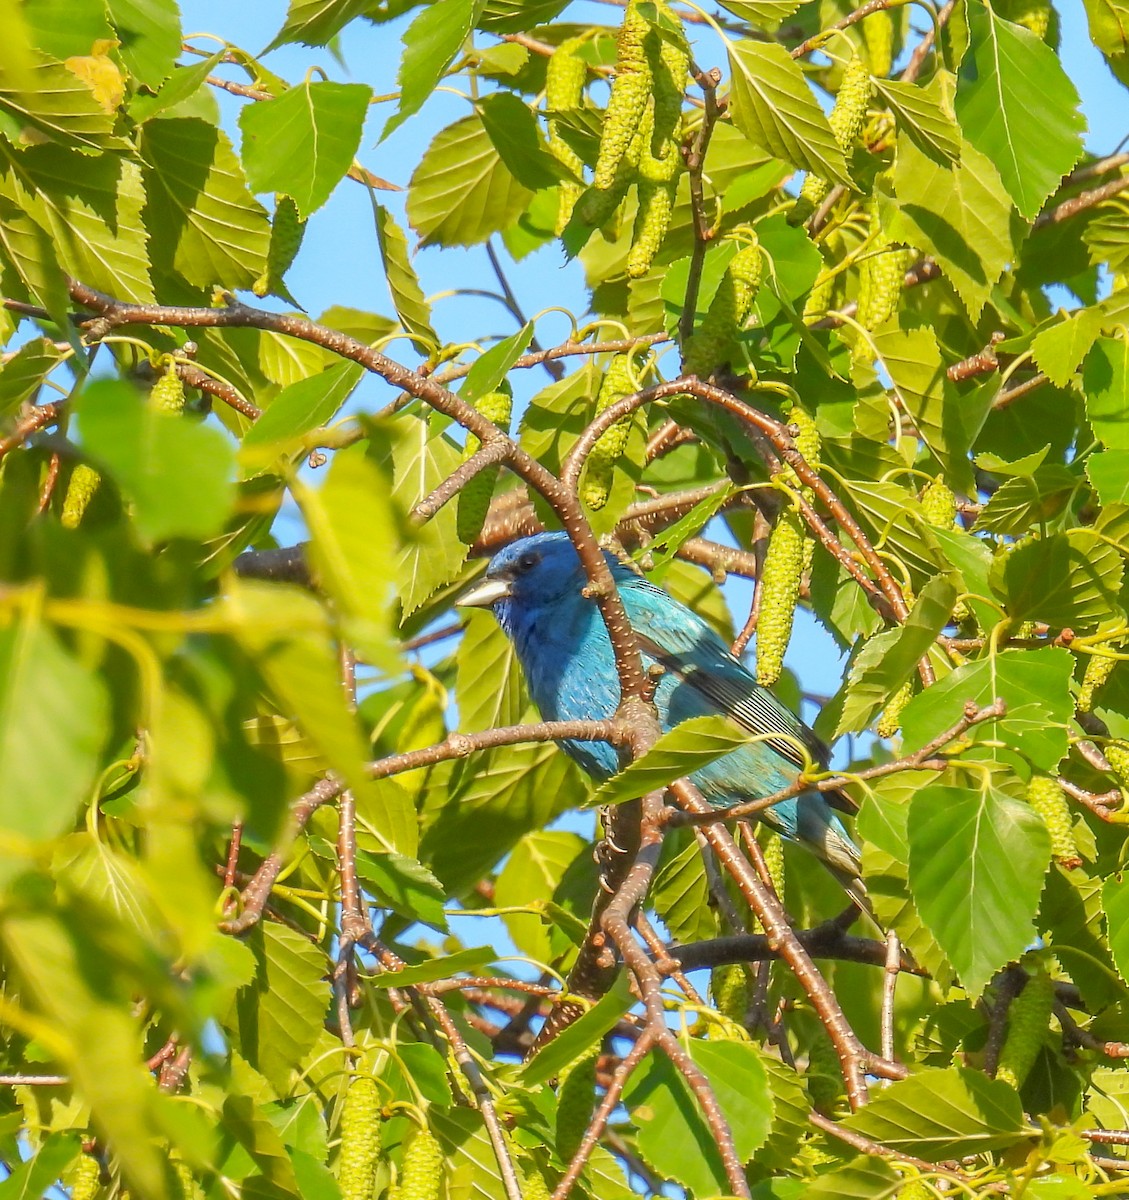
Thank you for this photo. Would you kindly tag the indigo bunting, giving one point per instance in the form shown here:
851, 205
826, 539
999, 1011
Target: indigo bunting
535, 589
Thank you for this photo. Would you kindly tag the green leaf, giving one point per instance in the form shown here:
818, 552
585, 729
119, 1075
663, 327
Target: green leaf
925, 115
37, 1175
1007, 75
281, 1013
890, 658
53, 721
960, 214
149, 35
947, 421
685, 749
1108, 471
1115, 905
434, 555
304, 405
532, 873
433, 38
177, 474
1105, 380
23, 374
941, 1113
1035, 686
462, 192
352, 526
317, 22
681, 895
404, 885
1027, 500
489, 682
1058, 349
1109, 31
517, 137
58, 106
867, 1177
490, 368
579, 1037
403, 283
303, 141
766, 15
673, 1135
183, 83
214, 231
976, 865
470, 959
1068, 579
775, 109
61, 28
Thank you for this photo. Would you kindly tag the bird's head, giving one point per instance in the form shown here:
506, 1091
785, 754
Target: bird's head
531, 572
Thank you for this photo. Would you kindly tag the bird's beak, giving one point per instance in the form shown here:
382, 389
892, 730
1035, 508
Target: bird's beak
485, 593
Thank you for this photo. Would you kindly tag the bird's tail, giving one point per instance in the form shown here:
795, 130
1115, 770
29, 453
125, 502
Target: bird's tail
823, 832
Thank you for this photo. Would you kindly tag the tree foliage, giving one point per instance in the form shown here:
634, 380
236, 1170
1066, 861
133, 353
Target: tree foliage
253, 770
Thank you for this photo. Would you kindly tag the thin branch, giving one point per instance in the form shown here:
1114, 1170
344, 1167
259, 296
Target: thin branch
695, 161
818, 40
921, 50
31, 422
828, 940
1076, 204
983, 362
893, 966
1009, 984
489, 455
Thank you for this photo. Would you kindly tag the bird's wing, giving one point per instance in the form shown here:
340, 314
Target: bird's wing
685, 645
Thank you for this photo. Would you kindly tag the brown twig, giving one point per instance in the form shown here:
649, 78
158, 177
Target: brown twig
921, 50
818, 40
31, 421
1076, 204
695, 161
983, 362
1011, 395
893, 966
1009, 983
828, 940
113, 313
1103, 805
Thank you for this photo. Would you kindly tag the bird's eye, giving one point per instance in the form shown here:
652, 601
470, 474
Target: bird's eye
528, 560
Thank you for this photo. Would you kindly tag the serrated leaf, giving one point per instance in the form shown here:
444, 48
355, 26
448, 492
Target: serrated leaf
867, 1177
957, 212
1115, 905
1068, 579
215, 232
517, 137
766, 15
281, 1013
925, 115
91, 211
298, 408
1108, 471
531, 875
52, 711
316, 22
941, 1113
947, 421
890, 658
1060, 348
977, 859
352, 525
149, 35
1035, 686
584, 1033
682, 751
303, 141
681, 896
1105, 380
433, 555
462, 192
177, 474
434, 37
443, 967
58, 106
22, 375
1008, 74
403, 283
1025, 500
773, 106
490, 368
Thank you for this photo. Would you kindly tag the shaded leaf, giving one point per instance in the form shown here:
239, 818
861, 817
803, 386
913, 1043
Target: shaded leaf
925, 115
58, 106
149, 36
1105, 379
403, 283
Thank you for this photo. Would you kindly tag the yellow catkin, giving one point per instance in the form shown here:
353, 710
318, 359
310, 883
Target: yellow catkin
938, 504
1046, 797
652, 220
360, 1139
287, 231
1028, 1020
474, 499
576, 1099
610, 445
81, 487
421, 1170
565, 77
1117, 755
881, 278
729, 309
846, 118
168, 392
878, 38
820, 298
780, 589
534, 1186
916, 1189
729, 986
85, 1178
890, 721
630, 95
1098, 669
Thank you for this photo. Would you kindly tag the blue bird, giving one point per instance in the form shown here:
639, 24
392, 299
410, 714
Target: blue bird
535, 589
